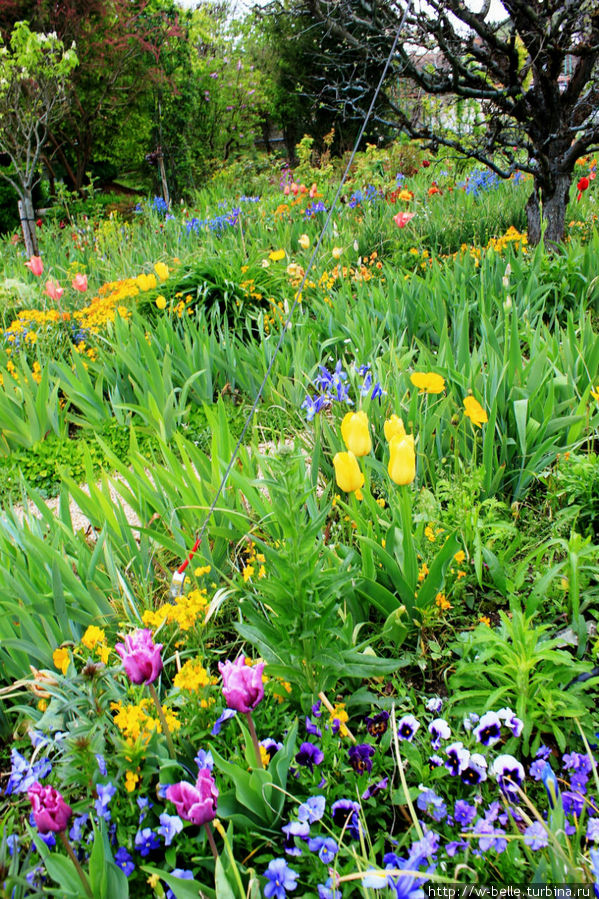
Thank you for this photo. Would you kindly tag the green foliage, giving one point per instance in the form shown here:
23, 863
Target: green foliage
520, 665
302, 616
573, 492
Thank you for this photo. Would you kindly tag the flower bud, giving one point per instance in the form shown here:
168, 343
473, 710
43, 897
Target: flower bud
402, 459
394, 426
356, 433
347, 472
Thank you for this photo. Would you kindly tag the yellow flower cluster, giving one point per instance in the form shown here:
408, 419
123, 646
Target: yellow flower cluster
94, 638
107, 305
253, 558
192, 677
185, 612
135, 723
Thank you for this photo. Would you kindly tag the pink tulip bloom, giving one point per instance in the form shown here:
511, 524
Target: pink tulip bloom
50, 811
35, 265
313, 191
141, 656
79, 282
286, 190
195, 803
294, 189
242, 684
53, 290
402, 218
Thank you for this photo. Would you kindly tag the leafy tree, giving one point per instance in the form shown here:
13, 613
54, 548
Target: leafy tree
121, 44
34, 74
301, 56
534, 76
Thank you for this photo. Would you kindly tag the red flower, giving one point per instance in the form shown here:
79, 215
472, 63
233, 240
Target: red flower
402, 218
582, 185
39, 223
425, 163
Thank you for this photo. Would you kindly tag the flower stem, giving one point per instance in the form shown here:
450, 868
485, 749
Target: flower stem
254, 737
163, 724
210, 836
75, 860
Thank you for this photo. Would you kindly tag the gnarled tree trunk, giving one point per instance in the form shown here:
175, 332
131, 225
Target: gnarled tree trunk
546, 211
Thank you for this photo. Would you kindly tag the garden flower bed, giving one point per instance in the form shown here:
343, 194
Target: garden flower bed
376, 670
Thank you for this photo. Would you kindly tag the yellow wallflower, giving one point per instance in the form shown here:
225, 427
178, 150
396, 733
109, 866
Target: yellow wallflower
460, 556
161, 270
475, 412
595, 393
442, 602
131, 781
192, 676
203, 569
92, 636
61, 659
428, 382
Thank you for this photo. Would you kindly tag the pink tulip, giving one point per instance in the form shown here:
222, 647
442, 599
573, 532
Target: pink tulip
313, 191
294, 189
402, 218
141, 656
79, 282
35, 265
50, 811
53, 290
286, 190
242, 684
195, 803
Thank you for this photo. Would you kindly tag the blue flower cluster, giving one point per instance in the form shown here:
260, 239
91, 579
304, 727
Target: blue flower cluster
160, 205
480, 181
333, 387
367, 196
311, 210
218, 224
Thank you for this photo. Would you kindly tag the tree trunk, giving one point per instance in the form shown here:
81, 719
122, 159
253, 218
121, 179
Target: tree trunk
26, 214
551, 212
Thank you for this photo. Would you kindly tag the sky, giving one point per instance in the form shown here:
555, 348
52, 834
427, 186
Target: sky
496, 11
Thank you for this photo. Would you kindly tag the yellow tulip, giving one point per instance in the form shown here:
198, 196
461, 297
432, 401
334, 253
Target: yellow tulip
161, 302
347, 472
304, 241
161, 270
394, 426
402, 459
146, 282
428, 382
356, 433
276, 255
475, 412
